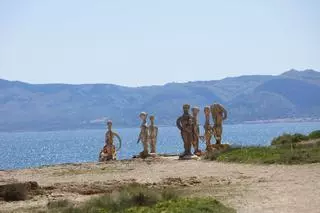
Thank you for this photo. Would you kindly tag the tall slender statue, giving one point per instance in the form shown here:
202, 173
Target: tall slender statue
186, 127
207, 128
153, 134
144, 136
219, 114
195, 142
109, 151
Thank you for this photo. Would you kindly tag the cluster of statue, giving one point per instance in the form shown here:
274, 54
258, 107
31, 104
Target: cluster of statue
190, 132
187, 123
148, 135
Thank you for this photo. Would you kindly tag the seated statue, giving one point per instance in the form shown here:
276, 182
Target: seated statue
109, 151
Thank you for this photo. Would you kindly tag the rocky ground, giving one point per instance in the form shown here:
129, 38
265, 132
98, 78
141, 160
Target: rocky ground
247, 188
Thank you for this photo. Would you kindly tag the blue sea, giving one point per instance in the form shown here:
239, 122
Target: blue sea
32, 149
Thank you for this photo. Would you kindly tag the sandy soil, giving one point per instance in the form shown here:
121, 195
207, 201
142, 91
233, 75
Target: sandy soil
247, 188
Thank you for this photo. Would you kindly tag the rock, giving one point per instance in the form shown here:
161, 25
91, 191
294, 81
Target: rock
18, 191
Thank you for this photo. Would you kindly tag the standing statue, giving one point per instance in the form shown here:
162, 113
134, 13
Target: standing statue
207, 128
109, 151
186, 127
219, 114
144, 136
195, 142
153, 134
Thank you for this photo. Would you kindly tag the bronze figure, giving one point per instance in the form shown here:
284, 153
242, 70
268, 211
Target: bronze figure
187, 130
109, 151
153, 134
144, 136
219, 114
208, 131
195, 142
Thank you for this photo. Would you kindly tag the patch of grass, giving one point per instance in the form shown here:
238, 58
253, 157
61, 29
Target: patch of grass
314, 134
59, 204
286, 139
273, 155
182, 205
139, 198
212, 155
216, 151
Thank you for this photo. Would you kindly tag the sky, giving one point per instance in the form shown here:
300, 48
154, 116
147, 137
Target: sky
138, 43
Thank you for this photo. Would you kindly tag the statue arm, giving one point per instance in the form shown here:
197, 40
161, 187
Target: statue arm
106, 137
120, 142
140, 135
178, 123
156, 131
225, 114
115, 134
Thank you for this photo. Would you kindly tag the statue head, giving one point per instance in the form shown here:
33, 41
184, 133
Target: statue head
151, 118
143, 116
215, 109
109, 124
195, 111
186, 108
206, 111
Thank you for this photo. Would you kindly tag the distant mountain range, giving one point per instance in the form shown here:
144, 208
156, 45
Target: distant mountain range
23, 106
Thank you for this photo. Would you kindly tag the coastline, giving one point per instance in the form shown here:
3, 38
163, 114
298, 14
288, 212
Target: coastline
267, 121
286, 188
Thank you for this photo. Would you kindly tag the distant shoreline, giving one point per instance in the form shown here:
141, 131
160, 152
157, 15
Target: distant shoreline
283, 120
270, 121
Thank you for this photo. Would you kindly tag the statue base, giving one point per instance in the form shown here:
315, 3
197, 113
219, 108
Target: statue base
103, 157
189, 157
153, 154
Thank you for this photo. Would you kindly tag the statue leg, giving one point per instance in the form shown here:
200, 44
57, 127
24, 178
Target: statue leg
187, 140
196, 146
153, 145
145, 146
189, 143
218, 133
208, 141
114, 153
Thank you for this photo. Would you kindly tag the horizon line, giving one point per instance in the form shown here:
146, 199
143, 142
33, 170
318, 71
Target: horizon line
154, 85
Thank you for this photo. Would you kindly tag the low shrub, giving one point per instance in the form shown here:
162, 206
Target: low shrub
314, 134
272, 155
216, 150
139, 198
286, 139
59, 204
182, 205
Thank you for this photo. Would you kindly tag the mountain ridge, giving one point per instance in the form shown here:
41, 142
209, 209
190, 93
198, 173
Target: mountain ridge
25, 106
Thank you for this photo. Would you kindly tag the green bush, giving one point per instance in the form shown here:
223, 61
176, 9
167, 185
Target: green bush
59, 204
286, 139
182, 205
272, 155
138, 198
314, 134
212, 155
127, 197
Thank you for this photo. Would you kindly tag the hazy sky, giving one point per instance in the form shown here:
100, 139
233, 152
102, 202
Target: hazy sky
154, 42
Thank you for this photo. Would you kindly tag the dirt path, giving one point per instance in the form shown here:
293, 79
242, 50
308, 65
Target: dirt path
247, 188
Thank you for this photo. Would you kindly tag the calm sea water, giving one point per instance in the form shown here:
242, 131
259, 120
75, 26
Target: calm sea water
31, 149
